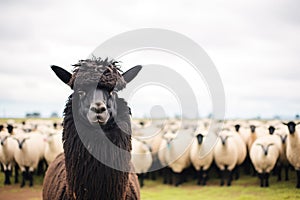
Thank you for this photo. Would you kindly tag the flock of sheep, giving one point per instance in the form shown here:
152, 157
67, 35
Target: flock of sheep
170, 146
26, 146
262, 146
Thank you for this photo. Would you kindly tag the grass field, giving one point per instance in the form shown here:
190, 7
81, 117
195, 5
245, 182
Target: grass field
247, 188
243, 189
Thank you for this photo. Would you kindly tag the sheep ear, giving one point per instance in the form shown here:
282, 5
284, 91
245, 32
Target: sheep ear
298, 123
284, 123
62, 74
131, 73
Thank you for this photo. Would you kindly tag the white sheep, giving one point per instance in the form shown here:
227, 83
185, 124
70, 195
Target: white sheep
141, 158
226, 155
283, 161
201, 162
264, 154
30, 152
175, 152
7, 149
293, 148
163, 148
242, 150
153, 136
54, 146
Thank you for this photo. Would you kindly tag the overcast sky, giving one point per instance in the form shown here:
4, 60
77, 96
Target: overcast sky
255, 46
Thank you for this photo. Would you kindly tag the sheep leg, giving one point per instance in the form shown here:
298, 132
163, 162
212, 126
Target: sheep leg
179, 179
267, 175
230, 174
30, 176
279, 169
167, 176
165, 181
200, 174
222, 172
40, 168
170, 176
286, 169
205, 177
16, 174
23, 179
298, 179
141, 179
247, 164
153, 175
260, 176
7, 179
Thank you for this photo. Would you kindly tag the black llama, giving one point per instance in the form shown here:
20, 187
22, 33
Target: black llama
96, 110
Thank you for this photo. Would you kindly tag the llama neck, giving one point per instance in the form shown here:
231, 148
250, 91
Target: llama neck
88, 178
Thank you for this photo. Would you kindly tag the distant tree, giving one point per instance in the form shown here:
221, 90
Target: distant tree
54, 115
33, 115
297, 116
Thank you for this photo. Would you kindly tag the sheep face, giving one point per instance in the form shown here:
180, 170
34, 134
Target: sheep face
200, 138
3, 140
21, 142
291, 126
271, 130
252, 128
265, 148
237, 127
224, 139
283, 138
10, 128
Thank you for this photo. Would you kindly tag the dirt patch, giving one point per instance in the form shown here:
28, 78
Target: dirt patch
14, 192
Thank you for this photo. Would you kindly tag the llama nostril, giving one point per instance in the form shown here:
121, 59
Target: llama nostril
98, 109
102, 109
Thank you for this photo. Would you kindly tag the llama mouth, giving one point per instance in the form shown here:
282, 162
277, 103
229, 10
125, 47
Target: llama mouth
97, 119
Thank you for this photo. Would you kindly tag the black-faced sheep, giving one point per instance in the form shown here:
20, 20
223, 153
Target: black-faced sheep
293, 148
7, 149
226, 155
264, 154
200, 160
30, 152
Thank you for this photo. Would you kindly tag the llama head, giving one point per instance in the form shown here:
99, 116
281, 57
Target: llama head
95, 83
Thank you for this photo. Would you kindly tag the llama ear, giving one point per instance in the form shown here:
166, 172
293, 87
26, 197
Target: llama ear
131, 73
62, 74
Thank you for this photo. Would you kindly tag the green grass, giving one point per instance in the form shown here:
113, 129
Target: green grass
247, 188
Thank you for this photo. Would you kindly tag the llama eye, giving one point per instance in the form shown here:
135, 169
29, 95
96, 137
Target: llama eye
81, 94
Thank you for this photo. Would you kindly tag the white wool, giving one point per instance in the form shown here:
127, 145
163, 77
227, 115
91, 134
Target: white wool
265, 163
227, 154
140, 156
